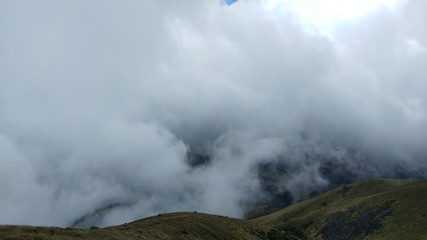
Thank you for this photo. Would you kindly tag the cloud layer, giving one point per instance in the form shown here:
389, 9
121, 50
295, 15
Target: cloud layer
110, 112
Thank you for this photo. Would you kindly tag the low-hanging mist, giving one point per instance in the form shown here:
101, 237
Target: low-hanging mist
112, 111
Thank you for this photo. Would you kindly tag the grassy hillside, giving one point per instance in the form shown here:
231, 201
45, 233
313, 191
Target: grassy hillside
374, 209
166, 226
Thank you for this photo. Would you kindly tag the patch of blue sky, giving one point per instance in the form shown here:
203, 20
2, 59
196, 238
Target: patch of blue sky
229, 2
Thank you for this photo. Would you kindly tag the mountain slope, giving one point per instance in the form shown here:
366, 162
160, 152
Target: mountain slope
373, 209
165, 226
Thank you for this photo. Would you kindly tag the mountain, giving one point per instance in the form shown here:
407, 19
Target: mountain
373, 209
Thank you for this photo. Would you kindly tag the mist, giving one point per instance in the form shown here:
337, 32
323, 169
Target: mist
114, 111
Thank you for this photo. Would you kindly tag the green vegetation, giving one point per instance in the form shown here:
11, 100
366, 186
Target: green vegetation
374, 209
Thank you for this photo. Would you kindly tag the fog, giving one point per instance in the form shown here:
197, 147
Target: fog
111, 111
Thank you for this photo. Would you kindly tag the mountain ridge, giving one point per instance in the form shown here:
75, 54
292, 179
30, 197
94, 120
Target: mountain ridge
371, 209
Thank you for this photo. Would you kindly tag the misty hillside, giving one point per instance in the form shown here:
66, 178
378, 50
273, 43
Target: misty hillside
112, 111
374, 209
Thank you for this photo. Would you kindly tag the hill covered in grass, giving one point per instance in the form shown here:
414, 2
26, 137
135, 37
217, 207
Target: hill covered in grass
373, 209
163, 226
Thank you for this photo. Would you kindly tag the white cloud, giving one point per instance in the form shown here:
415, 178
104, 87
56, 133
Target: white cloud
100, 102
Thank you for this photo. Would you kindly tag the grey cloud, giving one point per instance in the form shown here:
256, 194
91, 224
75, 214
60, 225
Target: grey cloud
102, 103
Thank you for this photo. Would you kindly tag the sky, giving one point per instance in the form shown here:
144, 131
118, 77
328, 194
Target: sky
111, 111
